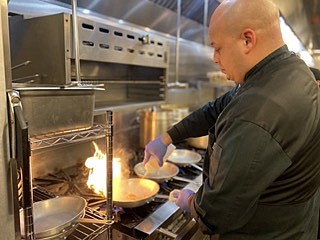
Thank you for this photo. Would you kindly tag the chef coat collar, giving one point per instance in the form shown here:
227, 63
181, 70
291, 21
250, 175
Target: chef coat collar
279, 54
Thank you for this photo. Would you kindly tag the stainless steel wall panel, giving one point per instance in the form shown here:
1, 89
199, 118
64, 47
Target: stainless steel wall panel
100, 42
46, 43
7, 217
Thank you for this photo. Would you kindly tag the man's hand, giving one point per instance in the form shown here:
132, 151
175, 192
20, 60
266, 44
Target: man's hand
183, 199
155, 148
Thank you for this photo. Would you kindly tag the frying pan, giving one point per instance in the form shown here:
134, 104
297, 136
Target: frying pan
134, 192
166, 172
55, 217
184, 157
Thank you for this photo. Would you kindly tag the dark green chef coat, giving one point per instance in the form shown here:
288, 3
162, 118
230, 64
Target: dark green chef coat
262, 166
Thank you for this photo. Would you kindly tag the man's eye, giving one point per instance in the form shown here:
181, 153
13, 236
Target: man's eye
217, 50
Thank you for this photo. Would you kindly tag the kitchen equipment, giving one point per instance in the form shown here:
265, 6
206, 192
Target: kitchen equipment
154, 122
55, 109
184, 157
56, 218
164, 173
135, 192
198, 142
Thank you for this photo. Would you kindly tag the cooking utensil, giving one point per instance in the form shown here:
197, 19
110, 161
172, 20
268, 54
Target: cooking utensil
184, 157
55, 217
164, 173
135, 192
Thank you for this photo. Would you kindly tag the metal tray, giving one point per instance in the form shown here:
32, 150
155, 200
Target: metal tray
52, 110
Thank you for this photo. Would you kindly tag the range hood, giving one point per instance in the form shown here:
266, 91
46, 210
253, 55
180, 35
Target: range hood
303, 16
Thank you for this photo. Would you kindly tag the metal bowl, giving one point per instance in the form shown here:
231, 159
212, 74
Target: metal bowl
134, 192
55, 216
167, 171
184, 157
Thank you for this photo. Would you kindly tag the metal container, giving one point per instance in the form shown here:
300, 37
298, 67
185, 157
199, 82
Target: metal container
154, 123
55, 110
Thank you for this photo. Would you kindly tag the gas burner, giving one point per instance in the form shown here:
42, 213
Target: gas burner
70, 181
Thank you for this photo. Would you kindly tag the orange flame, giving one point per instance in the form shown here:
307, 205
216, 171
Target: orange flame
97, 176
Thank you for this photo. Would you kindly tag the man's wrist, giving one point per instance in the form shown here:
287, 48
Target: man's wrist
166, 139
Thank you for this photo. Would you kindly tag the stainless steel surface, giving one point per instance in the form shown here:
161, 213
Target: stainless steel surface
135, 192
76, 39
48, 48
47, 43
302, 16
195, 58
50, 141
54, 110
155, 220
7, 214
159, 17
109, 163
54, 216
23, 160
178, 40
166, 172
199, 142
184, 157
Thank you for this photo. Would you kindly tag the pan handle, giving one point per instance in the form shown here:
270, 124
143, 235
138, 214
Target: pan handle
185, 180
196, 167
94, 221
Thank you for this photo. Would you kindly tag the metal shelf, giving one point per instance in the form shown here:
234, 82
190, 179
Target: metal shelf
46, 141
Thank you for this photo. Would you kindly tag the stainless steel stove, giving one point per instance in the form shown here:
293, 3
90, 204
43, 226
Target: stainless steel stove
158, 219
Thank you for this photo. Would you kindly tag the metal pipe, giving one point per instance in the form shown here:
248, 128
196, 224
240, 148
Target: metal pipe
21, 65
178, 40
109, 156
23, 156
76, 40
205, 22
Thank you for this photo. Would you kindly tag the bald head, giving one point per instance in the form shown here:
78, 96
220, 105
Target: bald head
233, 16
243, 32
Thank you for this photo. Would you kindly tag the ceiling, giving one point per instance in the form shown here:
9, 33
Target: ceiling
303, 16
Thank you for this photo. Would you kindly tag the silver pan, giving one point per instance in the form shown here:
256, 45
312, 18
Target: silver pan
55, 217
184, 157
166, 172
134, 192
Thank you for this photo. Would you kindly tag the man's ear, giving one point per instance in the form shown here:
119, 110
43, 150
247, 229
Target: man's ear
249, 39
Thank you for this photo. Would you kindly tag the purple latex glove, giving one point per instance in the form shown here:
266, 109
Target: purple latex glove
183, 199
155, 148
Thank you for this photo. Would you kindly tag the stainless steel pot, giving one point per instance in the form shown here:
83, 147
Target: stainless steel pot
153, 123
55, 218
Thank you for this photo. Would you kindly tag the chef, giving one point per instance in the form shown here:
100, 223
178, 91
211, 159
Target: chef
262, 165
